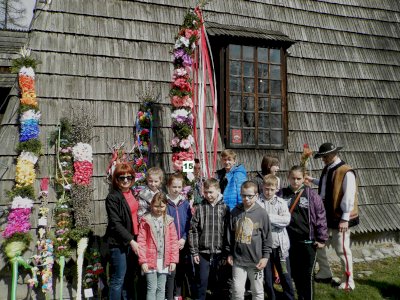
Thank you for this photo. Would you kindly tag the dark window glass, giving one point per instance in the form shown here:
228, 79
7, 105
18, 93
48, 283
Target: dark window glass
255, 97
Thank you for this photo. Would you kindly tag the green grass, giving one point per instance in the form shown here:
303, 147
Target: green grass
383, 283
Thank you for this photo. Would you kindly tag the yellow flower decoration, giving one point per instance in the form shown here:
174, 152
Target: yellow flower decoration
25, 173
29, 98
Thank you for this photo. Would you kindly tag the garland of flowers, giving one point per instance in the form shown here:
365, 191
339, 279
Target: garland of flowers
16, 234
93, 270
62, 140
44, 258
143, 134
118, 155
181, 96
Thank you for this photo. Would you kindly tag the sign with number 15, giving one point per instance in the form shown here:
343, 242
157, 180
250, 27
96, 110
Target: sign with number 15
188, 166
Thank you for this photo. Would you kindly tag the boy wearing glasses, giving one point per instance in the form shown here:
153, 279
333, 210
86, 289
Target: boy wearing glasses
249, 243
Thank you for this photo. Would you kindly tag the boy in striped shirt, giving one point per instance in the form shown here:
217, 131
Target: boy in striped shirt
206, 236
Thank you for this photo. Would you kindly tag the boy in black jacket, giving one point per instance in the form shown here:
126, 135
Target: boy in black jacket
249, 243
206, 236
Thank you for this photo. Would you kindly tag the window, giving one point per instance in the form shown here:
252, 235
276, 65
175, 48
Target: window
250, 67
254, 97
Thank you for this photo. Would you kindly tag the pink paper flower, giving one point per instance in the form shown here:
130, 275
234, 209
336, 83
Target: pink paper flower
83, 172
175, 142
185, 144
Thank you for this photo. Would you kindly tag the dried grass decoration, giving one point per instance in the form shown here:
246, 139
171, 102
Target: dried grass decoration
305, 158
81, 190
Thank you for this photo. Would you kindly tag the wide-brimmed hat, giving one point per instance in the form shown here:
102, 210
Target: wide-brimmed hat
326, 149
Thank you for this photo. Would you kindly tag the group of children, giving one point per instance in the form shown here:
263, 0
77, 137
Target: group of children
239, 233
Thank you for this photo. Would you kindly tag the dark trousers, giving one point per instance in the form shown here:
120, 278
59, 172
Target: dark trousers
207, 274
123, 263
283, 269
175, 280
302, 261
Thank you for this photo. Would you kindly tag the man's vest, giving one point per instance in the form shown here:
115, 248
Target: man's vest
334, 195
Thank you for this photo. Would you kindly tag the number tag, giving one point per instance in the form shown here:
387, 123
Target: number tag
188, 166
88, 293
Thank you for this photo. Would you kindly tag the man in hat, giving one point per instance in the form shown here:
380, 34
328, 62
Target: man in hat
337, 188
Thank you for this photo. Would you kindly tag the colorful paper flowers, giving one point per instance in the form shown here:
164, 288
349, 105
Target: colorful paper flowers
18, 218
181, 91
16, 233
83, 166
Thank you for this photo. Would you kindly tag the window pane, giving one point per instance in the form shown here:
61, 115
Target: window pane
249, 85
276, 105
276, 121
234, 51
275, 72
276, 137
248, 137
234, 67
263, 86
235, 120
275, 56
249, 120
263, 70
263, 104
248, 69
248, 103
262, 54
263, 137
235, 84
263, 121
275, 87
236, 103
248, 53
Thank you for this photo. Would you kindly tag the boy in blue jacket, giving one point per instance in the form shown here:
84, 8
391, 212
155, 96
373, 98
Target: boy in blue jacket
231, 178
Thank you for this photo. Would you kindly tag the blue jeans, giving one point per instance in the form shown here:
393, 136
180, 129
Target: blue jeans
156, 286
284, 276
122, 265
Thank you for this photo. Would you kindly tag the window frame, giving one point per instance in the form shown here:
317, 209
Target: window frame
222, 48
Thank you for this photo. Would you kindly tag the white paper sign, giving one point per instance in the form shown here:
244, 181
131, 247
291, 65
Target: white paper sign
88, 293
42, 222
188, 166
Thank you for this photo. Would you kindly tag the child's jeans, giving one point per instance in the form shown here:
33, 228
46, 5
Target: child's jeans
283, 268
207, 268
156, 286
239, 275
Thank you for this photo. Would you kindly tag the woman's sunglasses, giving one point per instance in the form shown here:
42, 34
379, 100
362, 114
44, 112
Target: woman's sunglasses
123, 178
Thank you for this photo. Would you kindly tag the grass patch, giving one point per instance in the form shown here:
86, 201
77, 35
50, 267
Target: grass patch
383, 283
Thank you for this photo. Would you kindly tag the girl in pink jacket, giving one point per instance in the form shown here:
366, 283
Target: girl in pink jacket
158, 247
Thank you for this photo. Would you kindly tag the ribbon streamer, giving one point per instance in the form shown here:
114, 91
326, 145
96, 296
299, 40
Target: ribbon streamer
203, 72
